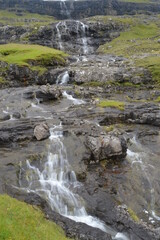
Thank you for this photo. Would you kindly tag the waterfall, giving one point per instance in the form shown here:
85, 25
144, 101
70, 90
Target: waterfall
139, 157
57, 183
64, 9
60, 46
74, 100
63, 78
81, 27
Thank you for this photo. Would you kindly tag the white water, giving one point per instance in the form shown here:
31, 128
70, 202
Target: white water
74, 100
139, 156
63, 78
57, 183
59, 36
82, 28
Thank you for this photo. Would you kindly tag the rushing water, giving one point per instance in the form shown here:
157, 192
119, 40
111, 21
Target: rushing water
140, 158
63, 78
74, 100
81, 32
57, 183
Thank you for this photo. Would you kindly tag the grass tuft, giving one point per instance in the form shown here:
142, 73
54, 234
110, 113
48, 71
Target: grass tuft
19, 220
112, 104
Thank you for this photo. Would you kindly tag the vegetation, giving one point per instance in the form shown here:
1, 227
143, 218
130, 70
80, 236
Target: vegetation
125, 20
24, 18
140, 44
19, 220
133, 215
112, 104
34, 56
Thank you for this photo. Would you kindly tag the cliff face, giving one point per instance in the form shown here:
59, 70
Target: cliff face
79, 9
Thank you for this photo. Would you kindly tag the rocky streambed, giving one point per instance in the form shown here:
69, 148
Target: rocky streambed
84, 145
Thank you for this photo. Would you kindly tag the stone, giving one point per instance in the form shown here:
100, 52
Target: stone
41, 131
4, 116
16, 115
47, 93
106, 147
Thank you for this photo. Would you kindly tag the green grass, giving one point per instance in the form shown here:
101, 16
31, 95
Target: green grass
33, 56
140, 45
20, 221
125, 20
29, 19
112, 104
157, 99
133, 215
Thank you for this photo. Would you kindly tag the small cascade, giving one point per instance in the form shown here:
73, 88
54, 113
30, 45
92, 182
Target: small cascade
63, 78
57, 182
60, 46
64, 9
81, 27
138, 158
74, 100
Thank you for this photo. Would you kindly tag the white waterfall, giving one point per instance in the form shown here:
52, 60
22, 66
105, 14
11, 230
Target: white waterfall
139, 157
57, 183
63, 78
81, 27
59, 36
74, 100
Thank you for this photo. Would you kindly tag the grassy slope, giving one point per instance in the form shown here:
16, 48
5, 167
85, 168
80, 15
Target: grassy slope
20, 221
28, 19
23, 54
139, 44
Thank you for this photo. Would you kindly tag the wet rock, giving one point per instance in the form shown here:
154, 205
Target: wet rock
47, 93
4, 116
17, 131
106, 147
16, 115
41, 131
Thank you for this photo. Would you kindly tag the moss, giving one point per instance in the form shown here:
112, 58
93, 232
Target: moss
112, 104
19, 220
157, 99
133, 215
36, 57
140, 45
2, 80
109, 128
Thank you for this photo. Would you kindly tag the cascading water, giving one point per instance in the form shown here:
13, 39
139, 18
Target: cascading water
81, 27
60, 46
74, 100
139, 158
57, 183
63, 78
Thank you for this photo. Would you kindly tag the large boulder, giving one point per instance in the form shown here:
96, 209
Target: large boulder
41, 131
106, 147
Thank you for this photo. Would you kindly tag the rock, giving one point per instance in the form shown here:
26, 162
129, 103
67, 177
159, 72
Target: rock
17, 131
48, 93
41, 131
16, 115
106, 147
4, 116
